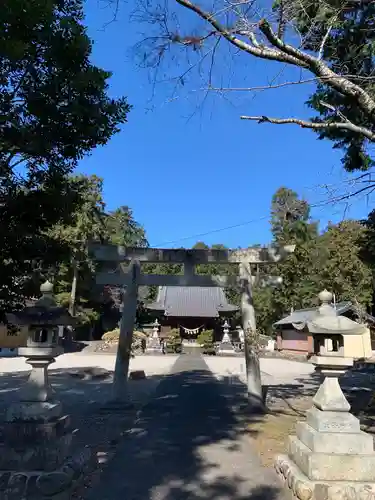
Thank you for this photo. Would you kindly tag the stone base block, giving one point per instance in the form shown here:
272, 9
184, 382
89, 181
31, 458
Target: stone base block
154, 351
42, 411
39, 485
226, 347
330, 467
232, 353
18, 433
332, 421
335, 442
300, 487
47, 455
137, 375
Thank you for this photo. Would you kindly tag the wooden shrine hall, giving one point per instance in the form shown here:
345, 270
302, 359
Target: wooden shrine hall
191, 309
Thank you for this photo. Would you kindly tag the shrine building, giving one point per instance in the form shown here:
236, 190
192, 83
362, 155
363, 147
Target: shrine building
191, 310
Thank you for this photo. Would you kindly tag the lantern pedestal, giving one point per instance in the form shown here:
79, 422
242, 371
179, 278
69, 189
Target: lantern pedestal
153, 345
226, 349
330, 458
38, 387
35, 453
35, 450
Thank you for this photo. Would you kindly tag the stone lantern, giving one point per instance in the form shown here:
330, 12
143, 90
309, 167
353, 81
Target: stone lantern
35, 452
153, 345
43, 320
226, 337
336, 335
226, 347
330, 458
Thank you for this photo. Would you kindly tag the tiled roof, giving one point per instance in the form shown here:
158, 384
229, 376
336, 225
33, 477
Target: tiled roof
302, 316
203, 302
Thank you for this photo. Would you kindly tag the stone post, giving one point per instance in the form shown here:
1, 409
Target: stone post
35, 450
241, 336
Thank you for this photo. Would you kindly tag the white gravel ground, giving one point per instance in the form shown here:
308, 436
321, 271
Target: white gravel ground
152, 365
281, 371
273, 369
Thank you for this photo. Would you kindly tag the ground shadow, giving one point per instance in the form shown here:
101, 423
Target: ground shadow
70, 346
191, 441
152, 436
357, 385
84, 393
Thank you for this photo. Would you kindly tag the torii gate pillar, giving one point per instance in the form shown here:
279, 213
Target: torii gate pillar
129, 311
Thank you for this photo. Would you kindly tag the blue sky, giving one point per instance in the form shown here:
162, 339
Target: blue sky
189, 170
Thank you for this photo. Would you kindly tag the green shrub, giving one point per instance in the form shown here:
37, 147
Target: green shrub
174, 341
209, 351
114, 335
111, 336
206, 338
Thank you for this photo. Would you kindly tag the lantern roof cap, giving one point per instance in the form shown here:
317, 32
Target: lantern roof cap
45, 311
327, 321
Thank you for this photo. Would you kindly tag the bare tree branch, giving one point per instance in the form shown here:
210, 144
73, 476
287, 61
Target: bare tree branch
312, 125
321, 70
240, 23
257, 51
366, 190
284, 52
279, 85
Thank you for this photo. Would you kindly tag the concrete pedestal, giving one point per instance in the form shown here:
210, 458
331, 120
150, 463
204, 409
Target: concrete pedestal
154, 346
154, 351
226, 349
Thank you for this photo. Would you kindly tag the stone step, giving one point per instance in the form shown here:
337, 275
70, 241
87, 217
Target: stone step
302, 488
335, 443
329, 467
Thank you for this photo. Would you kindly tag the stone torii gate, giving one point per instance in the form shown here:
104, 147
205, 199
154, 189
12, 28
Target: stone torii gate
130, 277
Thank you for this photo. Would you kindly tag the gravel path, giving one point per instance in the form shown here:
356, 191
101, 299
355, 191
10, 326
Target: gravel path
190, 442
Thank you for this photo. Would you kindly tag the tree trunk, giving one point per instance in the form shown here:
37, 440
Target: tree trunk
129, 311
73, 290
253, 375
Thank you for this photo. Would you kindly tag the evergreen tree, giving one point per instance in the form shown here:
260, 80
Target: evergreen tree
124, 230
348, 28
342, 269
55, 109
291, 224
